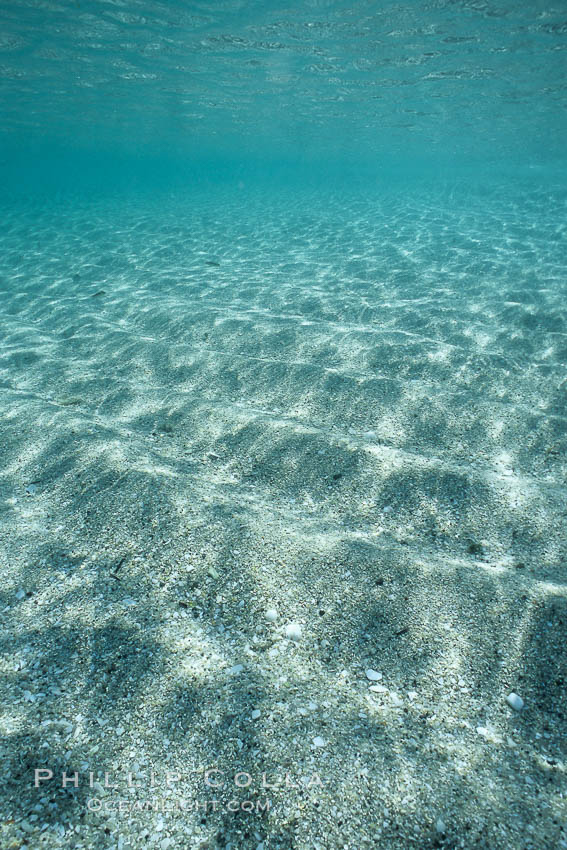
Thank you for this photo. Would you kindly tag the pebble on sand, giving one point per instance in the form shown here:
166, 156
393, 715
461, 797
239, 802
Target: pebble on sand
271, 615
378, 689
515, 702
293, 631
373, 675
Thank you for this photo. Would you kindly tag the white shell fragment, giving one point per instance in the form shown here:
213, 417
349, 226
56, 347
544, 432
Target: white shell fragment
293, 631
515, 702
255, 714
373, 675
378, 689
319, 741
271, 615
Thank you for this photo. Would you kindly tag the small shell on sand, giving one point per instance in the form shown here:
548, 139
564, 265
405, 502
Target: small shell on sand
373, 675
515, 702
293, 631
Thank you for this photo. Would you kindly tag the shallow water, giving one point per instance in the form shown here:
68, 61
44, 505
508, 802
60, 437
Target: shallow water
283, 328
99, 92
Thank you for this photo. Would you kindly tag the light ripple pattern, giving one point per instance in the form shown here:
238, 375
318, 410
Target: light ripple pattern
347, 407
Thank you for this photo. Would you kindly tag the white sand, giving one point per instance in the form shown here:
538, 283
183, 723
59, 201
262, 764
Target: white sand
350, 411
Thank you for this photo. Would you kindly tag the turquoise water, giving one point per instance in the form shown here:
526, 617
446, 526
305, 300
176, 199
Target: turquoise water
129, 95
283, 330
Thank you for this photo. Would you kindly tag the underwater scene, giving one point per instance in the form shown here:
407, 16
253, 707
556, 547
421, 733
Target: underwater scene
283, 424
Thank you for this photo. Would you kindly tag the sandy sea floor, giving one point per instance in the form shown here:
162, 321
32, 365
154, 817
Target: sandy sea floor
351, 411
